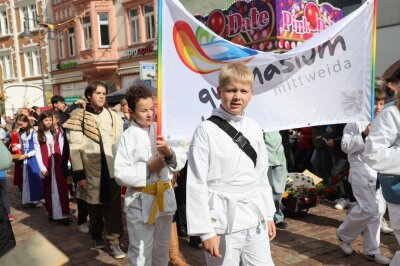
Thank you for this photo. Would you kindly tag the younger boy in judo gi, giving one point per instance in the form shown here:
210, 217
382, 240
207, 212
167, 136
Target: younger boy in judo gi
144, 163
229, 199
365, 217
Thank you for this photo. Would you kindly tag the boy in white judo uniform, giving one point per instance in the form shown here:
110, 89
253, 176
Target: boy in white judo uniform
144, 163
364, 217
382, 152
229, 199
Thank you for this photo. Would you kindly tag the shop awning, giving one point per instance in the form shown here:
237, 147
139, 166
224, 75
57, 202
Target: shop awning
128, 70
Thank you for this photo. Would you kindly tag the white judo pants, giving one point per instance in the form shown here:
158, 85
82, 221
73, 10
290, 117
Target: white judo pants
148, 244
247, 247
394, 214
364, 217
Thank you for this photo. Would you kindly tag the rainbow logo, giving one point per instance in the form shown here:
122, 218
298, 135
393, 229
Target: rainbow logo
203, 53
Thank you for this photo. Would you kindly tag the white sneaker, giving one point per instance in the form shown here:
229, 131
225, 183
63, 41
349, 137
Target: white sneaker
378, 258
116, 252
84, 228
345, 247
385, 229
341, 204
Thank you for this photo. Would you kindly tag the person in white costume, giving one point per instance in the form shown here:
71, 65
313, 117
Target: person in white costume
229, 198
364, 217
145, 163
382, 152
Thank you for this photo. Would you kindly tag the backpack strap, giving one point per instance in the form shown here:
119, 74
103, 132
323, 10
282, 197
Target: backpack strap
237, 137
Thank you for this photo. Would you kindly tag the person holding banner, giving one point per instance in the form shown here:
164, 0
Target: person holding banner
145, 163
365, 216
229, 199
382, 152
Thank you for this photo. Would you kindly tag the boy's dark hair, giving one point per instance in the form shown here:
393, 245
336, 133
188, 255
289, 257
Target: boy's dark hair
36, 108
379, 95
135, 93
57, 98
91, 88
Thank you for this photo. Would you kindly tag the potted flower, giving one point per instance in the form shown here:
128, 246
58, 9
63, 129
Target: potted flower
301, 193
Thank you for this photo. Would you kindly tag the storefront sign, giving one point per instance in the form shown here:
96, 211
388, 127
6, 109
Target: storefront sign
270, 25
69, 100
140, 51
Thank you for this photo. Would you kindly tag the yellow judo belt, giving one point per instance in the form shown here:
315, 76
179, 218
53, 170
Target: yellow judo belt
157, 190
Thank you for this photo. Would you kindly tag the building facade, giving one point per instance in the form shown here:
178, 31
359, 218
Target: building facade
24, 59
101, 40
107, 40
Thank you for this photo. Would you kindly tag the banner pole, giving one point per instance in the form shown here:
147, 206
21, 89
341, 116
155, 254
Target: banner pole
159, 67
373, 60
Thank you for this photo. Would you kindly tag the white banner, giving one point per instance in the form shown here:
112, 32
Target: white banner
325, 80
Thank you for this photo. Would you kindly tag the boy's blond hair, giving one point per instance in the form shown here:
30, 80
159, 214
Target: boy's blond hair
236, 72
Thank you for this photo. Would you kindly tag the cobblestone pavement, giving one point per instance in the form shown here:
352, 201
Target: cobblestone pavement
309, 240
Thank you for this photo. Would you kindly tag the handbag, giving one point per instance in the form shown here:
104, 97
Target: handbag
5, 157
390, 185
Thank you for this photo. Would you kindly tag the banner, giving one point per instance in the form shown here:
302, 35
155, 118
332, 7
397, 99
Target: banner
325, 80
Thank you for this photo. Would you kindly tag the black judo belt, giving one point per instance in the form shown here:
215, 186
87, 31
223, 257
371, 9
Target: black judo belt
237, 137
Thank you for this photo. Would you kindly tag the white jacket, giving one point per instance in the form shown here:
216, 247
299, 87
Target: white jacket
382, 150
353, 144
135, 147
225, 192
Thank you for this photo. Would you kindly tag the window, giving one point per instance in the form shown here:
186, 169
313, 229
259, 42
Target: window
33, 63
149, 21
71, 41
6, 64
104, 30
34, 16
61, 44
28, 64
3, 23
87, 33
37, 61
134, 25
29, 17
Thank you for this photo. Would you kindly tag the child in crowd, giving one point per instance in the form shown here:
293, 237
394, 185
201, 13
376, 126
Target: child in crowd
32, 193
3, 181
229, 199
366, 215
382, 153
55, 188
16, 152
65, 154
144, 162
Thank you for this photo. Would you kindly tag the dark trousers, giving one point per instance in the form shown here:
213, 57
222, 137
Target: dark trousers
7, 240
107, 216
82, 211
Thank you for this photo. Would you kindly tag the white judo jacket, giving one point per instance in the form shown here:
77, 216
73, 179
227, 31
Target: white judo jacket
134, 149
382, 151
225, 192
353, 144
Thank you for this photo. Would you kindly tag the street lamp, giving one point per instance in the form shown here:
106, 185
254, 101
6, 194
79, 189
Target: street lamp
42, 32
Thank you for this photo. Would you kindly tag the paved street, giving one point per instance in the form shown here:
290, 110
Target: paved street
310, 239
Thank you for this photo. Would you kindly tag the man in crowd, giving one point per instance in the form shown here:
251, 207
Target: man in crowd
92, 134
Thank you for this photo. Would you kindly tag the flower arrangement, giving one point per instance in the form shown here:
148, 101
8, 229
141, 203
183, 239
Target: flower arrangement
301, 192
336, 185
